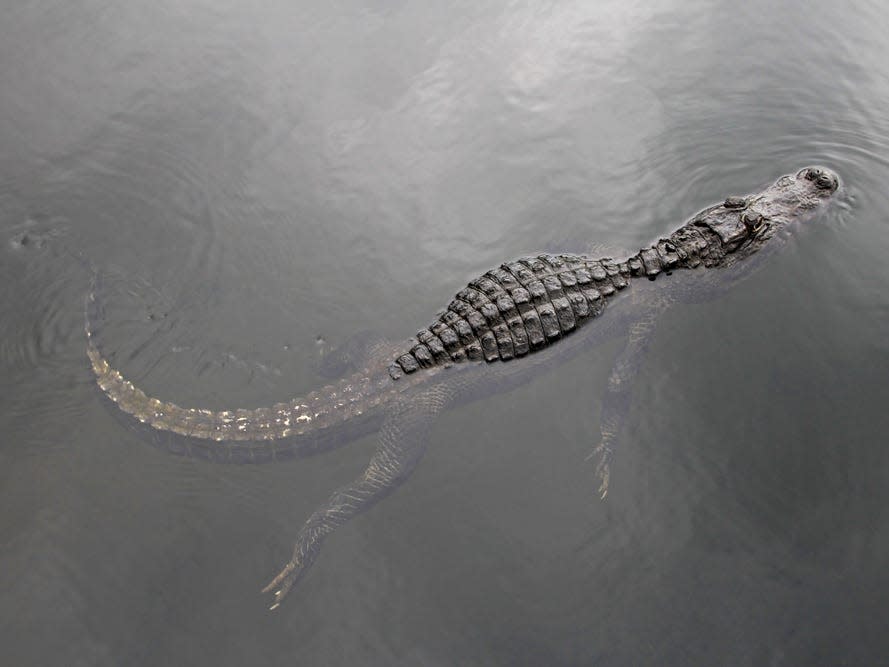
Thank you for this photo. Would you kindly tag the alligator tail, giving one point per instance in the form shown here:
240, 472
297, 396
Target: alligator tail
230, 435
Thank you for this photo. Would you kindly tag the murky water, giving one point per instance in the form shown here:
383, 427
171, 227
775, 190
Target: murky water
261, 183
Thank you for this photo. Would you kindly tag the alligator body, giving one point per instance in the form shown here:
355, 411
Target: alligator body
494, 334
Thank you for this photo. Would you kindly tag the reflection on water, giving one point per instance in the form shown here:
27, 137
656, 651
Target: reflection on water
256, 179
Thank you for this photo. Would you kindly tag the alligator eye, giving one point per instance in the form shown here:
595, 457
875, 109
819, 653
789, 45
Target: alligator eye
754, 222
734, 202
813, 173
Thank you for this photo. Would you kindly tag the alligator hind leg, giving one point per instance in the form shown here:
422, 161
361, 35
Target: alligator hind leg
618, 394
403, 439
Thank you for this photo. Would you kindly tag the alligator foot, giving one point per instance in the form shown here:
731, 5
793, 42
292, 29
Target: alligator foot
283, 582
287, 577
603, 468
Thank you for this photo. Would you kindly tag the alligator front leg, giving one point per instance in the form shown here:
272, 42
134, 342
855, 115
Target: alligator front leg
403, 439
616, 402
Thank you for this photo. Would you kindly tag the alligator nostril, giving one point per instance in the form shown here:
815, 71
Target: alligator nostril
824, 181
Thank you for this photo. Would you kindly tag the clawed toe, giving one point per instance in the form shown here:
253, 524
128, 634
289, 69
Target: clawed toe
604, 473
283, 583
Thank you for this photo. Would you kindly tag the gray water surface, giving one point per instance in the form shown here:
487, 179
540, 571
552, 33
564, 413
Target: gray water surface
259, 182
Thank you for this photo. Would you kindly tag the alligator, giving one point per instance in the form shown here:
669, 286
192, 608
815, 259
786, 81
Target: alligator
496, 333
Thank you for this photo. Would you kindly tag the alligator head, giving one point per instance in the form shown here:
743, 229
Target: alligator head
746, 224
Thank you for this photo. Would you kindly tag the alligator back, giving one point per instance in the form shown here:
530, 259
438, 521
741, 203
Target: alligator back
511, 311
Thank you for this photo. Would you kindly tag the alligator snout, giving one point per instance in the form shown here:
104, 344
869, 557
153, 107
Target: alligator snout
822, 177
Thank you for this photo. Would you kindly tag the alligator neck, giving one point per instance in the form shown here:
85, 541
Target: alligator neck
689, 247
